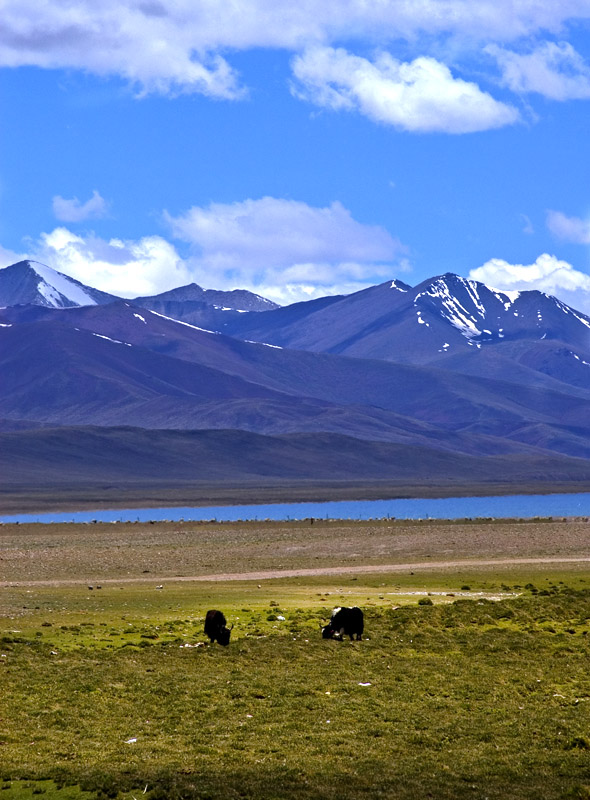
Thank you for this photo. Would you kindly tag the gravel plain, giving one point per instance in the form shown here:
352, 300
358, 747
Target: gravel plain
64, 553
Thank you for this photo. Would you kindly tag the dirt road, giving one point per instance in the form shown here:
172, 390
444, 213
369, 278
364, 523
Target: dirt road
316, 571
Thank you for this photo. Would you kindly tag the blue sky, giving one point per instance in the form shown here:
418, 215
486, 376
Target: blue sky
297, 150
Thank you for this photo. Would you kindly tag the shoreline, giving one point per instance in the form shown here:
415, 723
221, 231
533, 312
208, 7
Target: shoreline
67, 499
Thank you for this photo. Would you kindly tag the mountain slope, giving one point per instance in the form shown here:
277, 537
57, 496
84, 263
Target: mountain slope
65, 458
61, 375
120, 365
54, 373
441, 323
441, 315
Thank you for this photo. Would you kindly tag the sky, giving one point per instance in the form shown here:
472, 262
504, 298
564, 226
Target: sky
297, 150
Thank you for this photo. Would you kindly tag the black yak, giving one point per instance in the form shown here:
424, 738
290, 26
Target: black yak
215, 627
345, 622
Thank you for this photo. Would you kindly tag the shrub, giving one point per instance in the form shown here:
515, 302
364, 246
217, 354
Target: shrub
578, 742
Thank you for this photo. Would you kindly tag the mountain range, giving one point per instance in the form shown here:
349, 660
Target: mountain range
447, 383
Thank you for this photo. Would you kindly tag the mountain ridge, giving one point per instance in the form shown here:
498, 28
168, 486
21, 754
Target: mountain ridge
141, 365
239, 299
30, 282
435, 319
512, 382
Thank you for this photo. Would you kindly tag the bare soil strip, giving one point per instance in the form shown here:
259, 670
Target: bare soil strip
316, 571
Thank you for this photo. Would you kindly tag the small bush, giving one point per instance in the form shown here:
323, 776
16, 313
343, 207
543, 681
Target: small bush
578, 743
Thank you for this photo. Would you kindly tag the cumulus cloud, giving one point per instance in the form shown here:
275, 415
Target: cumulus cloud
182, 46
547, 274
282, 231
75, 211
282, 249
421, 95
126, 268
571, 229
285, 249
554, 70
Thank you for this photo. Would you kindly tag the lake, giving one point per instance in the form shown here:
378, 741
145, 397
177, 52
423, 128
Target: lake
545, 505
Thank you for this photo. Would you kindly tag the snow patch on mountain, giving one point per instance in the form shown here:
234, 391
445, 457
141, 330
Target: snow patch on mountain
108, 338
506, 297
264, 344
55, 287
471, 287
480, 313
568, 310
580, 359
453, 311
395, 285
187, 324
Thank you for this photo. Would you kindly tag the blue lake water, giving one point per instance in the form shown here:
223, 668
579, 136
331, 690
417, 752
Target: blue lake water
546, 505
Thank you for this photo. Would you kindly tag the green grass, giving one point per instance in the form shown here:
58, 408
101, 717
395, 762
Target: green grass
467, 698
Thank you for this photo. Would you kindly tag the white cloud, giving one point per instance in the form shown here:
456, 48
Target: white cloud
180, 46
548, 274
75, 211
282, 248
153, 46
126, 268
421, 95
571, 229
554, 70
280, 231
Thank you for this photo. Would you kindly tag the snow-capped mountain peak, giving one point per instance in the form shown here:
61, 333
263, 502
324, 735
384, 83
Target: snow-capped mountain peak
457, 300
35, 283
479, 312
55, 286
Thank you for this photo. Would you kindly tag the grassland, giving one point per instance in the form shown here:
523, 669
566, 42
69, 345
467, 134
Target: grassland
113, 691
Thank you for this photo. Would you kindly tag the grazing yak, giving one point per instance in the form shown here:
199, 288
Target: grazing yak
345, 622
215, 627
